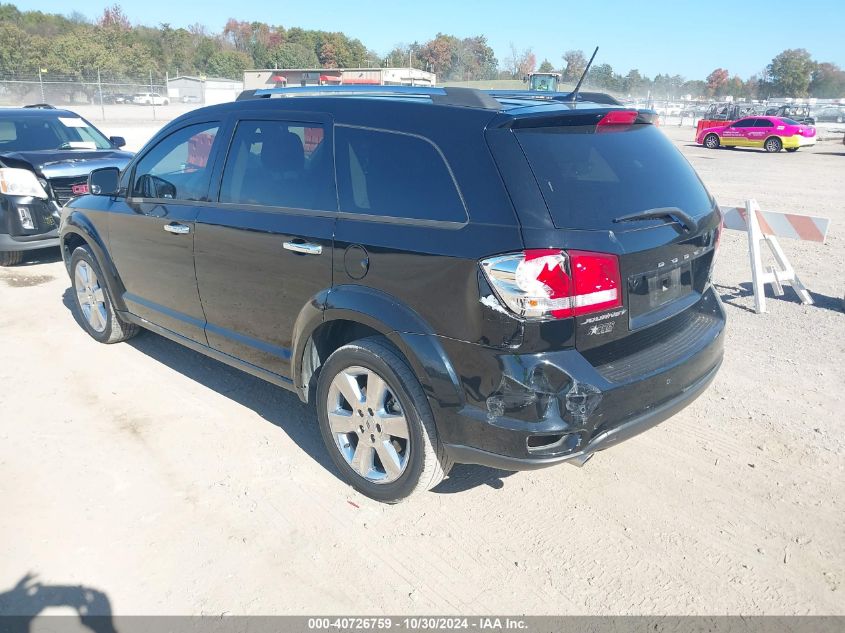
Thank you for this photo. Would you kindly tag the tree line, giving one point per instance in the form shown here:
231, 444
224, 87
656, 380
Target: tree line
76, 47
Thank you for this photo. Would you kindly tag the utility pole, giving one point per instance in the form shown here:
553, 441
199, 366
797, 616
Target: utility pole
100, 90
152, 98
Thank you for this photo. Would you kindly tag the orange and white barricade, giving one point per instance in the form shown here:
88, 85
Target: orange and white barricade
767, 226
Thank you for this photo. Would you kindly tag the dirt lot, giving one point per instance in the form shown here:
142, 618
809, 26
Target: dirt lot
174, 484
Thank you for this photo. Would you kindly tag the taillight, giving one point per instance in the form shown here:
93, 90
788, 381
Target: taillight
550, 283
598, 285
618, 117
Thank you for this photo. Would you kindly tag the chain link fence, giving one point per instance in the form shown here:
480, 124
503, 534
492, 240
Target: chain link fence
63, 90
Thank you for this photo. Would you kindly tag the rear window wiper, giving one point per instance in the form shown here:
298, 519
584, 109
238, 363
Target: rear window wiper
683, 218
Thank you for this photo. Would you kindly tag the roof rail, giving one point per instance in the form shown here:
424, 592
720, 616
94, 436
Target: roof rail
41, 106
453, 96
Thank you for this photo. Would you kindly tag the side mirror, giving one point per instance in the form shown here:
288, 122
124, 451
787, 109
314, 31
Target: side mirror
117, 141
104, 181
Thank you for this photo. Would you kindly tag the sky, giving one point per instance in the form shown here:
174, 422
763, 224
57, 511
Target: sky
676, 37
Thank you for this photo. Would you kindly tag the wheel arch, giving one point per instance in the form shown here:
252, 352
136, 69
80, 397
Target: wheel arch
353, 312
78, 231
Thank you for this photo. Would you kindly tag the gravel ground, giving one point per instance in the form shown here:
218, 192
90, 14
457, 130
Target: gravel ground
176, 485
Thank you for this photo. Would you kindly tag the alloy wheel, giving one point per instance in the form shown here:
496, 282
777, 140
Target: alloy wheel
91, 297
368, 425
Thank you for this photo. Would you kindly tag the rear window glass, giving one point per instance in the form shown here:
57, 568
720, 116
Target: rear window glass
394, 175
789, 121
589, 178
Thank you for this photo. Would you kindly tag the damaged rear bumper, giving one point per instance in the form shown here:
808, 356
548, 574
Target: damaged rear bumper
606, 439
526, 411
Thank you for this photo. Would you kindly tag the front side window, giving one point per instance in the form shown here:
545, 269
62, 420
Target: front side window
394, 175
177, 168
279, 164
744, 123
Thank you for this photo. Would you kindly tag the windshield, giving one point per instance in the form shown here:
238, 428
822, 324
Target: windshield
590, 178
29, 133
543, 82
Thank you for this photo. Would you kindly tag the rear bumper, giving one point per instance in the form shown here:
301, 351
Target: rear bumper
797, 140
527, 411
606, 439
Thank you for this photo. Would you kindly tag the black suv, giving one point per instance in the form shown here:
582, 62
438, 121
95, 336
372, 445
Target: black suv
449, 275
45, 158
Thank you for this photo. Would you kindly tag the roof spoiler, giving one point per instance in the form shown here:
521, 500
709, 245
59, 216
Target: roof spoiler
592, 97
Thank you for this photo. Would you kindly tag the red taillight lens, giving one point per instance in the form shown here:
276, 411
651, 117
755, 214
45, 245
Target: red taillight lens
544, 283
597, 282
618, 117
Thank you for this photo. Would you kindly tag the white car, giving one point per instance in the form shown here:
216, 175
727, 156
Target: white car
150, 98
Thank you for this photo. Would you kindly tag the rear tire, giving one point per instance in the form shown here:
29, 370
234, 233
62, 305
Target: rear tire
92, 304
773, 145
377, 423
711, 141
11, 258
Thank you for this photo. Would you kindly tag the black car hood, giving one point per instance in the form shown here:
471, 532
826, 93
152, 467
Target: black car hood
66, 163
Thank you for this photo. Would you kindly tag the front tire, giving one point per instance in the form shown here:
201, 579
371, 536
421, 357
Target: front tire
791, 149
773, 145
92, 304
11, 258
711, 141
376, 422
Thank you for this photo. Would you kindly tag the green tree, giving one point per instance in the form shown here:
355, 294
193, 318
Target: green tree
634, 83
229, 64
290, 55
546, 67
828, 81
790, 73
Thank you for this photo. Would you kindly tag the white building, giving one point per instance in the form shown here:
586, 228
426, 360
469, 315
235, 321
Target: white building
202, 90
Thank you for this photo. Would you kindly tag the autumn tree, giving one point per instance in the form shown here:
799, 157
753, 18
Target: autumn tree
114, 17
716, 81
575, 65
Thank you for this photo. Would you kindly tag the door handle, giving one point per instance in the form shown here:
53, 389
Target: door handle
177, 229
303, 248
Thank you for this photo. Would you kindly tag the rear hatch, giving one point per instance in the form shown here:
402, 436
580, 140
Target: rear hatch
616, 184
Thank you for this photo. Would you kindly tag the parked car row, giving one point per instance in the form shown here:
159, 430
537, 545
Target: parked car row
141, 98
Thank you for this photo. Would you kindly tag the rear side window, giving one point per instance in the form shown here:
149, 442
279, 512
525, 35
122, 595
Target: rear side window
279, 164
589, 178
394, 175
764, 123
